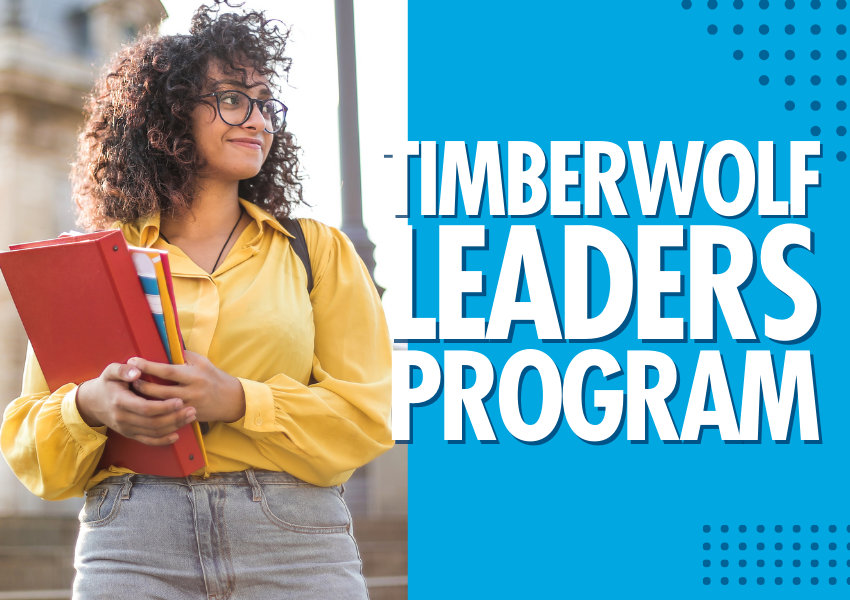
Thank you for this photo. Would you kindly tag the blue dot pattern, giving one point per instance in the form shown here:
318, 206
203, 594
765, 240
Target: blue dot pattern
809, 40
800, 539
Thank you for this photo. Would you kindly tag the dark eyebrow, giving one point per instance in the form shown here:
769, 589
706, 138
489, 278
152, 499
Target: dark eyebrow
263, 92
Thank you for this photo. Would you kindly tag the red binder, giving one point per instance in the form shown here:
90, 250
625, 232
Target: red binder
83, 307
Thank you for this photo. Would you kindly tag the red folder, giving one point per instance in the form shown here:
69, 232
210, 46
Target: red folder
83, 307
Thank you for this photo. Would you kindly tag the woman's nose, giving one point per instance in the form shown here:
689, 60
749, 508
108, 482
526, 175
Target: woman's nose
255, 120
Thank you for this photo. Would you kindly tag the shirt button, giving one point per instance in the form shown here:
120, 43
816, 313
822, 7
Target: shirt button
92, 436
258, 421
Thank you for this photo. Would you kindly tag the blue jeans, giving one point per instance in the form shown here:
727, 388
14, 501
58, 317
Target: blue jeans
240, 536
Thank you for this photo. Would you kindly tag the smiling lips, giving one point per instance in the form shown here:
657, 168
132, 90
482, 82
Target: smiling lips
250, 143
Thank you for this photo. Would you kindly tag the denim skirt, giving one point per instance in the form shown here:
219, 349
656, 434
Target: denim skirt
243, 536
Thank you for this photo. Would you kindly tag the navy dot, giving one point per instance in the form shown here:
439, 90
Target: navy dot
814, 545
724, 563
788, 106
743, 581
738, 29
841, 55
833, 529
796, 545
712, 29
815, 563
814, 580
742, 528
796, 528
815, 105
764, 54
760, 581
848, 563
832, 581
841, 131
816, 130
706, 528
789, 4
724, 580
789, 29
706, 546
706, 580
778, 581
789, 55
712, 4
841, 105
764, 29
706, 563
724, 546
815, 29
789, 80
841, 158
814, 528
760, 562
742, 546
742, 563
760, 528
778, 545
738, 4
764, 3
760, 546
816, 4
833, 563
848, 529
764, 80
815, 80
724, 528
841, 4
841, 80
686, 4
796, 562
841, 29
778, 528
815, 54
796, 581
737, 55
778, 563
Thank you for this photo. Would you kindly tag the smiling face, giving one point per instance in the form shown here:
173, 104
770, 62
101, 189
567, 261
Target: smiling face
231, 153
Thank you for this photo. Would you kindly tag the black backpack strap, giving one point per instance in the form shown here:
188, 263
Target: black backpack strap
299, 244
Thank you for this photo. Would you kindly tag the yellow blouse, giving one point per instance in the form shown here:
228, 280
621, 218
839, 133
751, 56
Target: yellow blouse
252, 318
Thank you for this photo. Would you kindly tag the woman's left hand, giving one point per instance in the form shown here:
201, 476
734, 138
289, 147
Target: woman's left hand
215, 395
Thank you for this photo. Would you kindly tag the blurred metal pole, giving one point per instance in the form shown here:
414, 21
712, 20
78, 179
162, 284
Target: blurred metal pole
349, 137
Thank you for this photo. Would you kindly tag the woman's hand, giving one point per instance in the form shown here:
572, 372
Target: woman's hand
109, 401
215, 395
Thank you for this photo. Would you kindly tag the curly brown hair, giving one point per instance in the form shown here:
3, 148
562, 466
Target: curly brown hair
136, 154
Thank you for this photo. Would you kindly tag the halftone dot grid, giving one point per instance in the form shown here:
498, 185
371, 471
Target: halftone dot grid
796, 53
810, 555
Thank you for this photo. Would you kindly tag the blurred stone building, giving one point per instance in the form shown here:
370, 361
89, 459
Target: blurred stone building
50, 52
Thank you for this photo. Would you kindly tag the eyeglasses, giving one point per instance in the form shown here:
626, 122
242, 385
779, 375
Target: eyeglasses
235, 108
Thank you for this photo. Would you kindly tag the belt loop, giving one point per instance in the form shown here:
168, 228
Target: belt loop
255, 485
128, 484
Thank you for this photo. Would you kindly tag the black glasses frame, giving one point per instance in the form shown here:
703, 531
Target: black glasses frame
251, 102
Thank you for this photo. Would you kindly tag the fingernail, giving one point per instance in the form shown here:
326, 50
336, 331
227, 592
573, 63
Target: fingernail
190, 419
133, 372
132, 361
191, 412
173, 439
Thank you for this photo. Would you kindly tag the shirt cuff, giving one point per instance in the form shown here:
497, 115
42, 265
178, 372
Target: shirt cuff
89, 438
259, 409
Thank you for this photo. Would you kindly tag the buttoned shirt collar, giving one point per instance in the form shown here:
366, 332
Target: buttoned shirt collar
148, 227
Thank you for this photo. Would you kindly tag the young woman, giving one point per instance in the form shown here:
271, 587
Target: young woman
185, 149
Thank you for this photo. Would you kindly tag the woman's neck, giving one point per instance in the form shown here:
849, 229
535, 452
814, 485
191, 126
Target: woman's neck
214, 210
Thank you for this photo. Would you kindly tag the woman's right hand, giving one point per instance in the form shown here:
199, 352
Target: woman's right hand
108, 400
